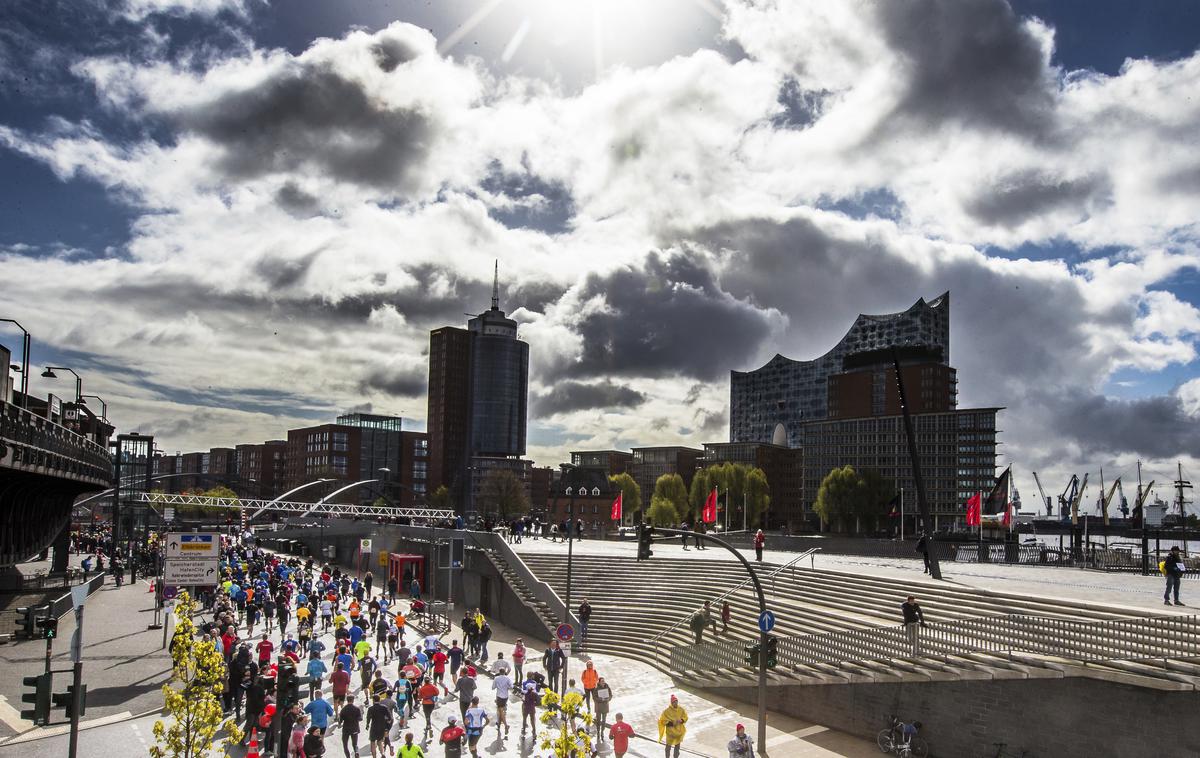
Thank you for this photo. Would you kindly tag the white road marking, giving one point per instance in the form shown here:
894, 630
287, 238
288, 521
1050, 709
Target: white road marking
55, 731
12, 717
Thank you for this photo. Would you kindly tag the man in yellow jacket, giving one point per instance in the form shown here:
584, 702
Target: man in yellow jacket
671, 726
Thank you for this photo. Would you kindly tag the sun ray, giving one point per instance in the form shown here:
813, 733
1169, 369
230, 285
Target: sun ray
468, 26
711, 8
514, 43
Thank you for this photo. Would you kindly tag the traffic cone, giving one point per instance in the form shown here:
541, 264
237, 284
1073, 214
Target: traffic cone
151, 590
253, 751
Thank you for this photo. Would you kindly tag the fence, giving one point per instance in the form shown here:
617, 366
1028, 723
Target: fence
1147, 638
29, 440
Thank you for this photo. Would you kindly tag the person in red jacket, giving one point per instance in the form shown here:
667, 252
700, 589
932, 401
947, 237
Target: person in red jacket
760, 539
452, 737
619, 733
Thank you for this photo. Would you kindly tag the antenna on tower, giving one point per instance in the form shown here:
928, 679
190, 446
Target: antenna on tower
496, 287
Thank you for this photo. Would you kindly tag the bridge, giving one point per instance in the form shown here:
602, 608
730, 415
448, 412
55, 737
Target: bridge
292, 508
44, 467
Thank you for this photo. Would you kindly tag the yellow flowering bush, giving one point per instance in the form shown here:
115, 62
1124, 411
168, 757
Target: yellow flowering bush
571, 739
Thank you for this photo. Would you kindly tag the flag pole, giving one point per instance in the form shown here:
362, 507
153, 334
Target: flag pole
902, 514
980, 494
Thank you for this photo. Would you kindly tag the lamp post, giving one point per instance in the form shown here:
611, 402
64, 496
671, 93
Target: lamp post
49, 374
568, 479
103, 406
25, 343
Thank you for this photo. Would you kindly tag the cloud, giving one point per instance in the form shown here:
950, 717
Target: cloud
569, 396
402, 382
139, 10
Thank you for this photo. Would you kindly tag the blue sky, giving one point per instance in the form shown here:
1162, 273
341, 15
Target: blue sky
266, 227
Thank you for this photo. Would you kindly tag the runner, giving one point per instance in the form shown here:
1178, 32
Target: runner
619, 733
408, 749
476, 720
428, 692
379, 721
349, 718
452, 738
502, 684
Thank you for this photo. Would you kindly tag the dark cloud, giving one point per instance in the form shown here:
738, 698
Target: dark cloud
1025, 194
712, 424
392, 52
404, 382
669, 317
799, 108
971, 61
310, 115
296, 201
1153, 427
281, 273
535, 203
566, 396
1183, 180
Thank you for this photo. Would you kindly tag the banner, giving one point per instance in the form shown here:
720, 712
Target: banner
616, 506
973, 510
995, 506
709, 514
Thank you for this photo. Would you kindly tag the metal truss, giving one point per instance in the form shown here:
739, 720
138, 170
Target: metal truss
293, 508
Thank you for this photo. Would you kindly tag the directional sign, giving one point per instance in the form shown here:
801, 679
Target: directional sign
183, 572
766, 622
565, 632
364, 546
193, 545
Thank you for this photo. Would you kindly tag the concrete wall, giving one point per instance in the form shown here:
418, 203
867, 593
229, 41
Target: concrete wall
1063, 718
503, 606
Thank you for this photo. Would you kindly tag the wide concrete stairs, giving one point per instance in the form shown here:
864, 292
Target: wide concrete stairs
636, 602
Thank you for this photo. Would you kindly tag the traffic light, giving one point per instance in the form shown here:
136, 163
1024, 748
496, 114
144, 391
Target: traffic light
752, 652
26, 619
39, 696
287, 686
48, 627
645, 534
66, 700
772, 652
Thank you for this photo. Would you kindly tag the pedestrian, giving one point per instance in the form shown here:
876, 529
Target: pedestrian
409, 749
672, 726
452, 737
529, 704
414, 590
349, 720
684, 528
710, 618
1172, 567
475, 720
760, 540
585, 615
619, 733
485, 636
379, 721
518, 659
741, 746
391, 589
502, 684
553, 661
697, 624
590, 678
923, 549
726, 615
913, 618
698, 533
603, 697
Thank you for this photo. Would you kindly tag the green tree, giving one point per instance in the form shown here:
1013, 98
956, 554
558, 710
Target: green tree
758, 495
662, 511
698, 492
379, 502
840, 490
440, 499
503, 493
877, 492
631, 494
671, 488
192, 696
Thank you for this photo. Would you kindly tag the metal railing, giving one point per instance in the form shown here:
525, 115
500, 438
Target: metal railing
285, 506
30, 441
810, 554
1131, 639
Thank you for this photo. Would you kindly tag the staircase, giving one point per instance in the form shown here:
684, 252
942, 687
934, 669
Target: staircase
513, 580
636, 602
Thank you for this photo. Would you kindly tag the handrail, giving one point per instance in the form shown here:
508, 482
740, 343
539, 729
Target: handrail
540, 590
810, 553
1137, 638
35, 441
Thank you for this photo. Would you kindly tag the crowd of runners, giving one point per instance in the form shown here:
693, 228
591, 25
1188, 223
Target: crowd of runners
375, 680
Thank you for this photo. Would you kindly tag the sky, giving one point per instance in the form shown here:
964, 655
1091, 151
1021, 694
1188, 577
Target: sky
235, 217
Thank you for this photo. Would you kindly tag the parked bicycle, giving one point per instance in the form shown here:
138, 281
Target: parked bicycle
901, 738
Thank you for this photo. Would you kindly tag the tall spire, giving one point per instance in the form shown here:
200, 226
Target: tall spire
496, 287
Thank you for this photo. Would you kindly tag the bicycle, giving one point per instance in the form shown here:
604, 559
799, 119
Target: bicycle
896, 739
1002, 752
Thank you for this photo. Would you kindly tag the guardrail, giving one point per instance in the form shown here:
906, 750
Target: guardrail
1132, 639
30, 441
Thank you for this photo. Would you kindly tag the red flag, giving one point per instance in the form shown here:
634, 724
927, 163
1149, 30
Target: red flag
709, 514
616, 506
973, 510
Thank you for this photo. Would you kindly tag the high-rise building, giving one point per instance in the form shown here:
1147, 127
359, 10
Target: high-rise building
649, 463
327, 451
262, 468
783, 467
398, 458
612, 462
478, 398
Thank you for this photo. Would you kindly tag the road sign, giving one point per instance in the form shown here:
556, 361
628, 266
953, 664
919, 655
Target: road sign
364, 546
193, 545
565, 632
766, 622
183, 572
383, 559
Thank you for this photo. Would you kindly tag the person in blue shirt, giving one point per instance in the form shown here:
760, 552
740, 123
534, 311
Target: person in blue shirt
319, 710
316, 670
422, 659
356, 634
315, 646
346, 659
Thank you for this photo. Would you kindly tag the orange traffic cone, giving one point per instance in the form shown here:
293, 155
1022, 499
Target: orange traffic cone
253, 751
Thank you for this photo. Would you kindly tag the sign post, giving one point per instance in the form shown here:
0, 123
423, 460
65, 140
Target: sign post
192, 559
766, 622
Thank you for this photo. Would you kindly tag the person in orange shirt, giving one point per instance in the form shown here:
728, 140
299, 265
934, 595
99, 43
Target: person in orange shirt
428, 692
590, 678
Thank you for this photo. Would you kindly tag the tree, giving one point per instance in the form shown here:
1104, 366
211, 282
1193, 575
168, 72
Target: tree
631, 494
662, 511
440, 499
698, 493
379, 502
503, 491
670, 487
877, 493
839, 491
566, 733
192, 697
758, 495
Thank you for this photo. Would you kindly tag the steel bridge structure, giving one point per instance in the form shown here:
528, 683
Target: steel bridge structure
291, 508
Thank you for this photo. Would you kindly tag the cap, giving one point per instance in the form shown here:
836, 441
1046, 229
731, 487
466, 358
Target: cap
741, 727
452, 720
674, 699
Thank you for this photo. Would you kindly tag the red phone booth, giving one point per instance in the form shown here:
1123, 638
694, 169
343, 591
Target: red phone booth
399, 562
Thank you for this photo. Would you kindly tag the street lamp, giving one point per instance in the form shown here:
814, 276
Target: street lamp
25, 342
568, 479
103, 407
49, 374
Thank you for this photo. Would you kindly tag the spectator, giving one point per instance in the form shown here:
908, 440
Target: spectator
760, 540
1173, 568
913, 617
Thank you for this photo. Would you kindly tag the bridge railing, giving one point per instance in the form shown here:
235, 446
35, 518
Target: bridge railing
1143, 638
31, 441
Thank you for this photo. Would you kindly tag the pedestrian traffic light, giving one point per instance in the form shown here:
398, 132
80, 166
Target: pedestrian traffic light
752, 654
66, 700
25, 620
39, 696
645, 535
772, 652
48, 627
287, 687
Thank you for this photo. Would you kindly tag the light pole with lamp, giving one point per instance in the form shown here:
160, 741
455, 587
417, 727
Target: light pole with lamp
49, 374
431, 567
569, 481
25, 344
103, 407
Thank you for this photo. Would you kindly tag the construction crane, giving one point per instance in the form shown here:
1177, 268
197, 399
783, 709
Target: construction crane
1104, 501
1139, 502
1065, 499
1078, 499
1124, 507
1045, 498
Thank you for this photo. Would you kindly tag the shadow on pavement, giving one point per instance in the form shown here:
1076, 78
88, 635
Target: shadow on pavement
105, 696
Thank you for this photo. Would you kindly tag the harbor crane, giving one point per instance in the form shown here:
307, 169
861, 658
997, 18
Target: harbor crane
1045, 498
